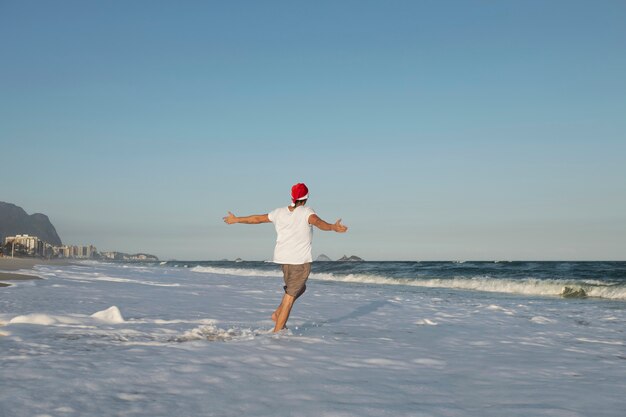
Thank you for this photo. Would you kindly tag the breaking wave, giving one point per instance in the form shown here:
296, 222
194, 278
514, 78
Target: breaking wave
527, 286
244, 272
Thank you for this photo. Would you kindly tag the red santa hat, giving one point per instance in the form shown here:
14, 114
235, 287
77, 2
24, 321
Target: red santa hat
299, 192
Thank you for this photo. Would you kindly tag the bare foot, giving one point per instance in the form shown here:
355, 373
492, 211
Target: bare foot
275, 317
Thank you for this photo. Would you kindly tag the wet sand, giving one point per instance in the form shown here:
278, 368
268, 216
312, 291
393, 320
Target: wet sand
8, 276
16, 264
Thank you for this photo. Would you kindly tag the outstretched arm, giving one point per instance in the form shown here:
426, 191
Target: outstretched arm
254, 219
322, 225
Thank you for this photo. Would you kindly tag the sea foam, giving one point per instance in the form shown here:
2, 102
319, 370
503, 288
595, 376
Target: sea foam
110, 315
206, 347
40, 319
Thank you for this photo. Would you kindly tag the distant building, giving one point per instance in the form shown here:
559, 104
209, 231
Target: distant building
77, 252
29, 245
33, 246
121, 256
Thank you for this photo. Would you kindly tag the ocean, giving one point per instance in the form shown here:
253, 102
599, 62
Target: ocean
366, 339
567, 279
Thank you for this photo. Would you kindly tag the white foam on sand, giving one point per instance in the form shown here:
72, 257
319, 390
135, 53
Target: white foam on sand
44, 319
426, 322
542, 320
213, 333
205, 347
110, 315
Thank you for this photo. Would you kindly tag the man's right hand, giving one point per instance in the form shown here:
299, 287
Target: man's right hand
339, 228
322, 225
230, 219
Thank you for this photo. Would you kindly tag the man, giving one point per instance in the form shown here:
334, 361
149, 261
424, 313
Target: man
294, 229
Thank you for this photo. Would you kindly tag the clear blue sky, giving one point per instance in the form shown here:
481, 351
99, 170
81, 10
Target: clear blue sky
435, 129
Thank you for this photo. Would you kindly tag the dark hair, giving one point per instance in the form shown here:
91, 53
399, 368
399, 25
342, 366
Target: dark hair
299, 203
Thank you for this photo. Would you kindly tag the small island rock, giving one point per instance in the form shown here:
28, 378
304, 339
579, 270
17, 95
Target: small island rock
352, 258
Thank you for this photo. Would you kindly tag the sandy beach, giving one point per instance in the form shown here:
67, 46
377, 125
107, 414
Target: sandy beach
17, 264
113, 339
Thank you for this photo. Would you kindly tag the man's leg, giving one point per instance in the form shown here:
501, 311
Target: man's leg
283, 311
276, 312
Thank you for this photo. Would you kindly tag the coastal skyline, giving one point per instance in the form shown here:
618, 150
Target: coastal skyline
436, 131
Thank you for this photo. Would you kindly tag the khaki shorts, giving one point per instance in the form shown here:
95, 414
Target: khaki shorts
295, 278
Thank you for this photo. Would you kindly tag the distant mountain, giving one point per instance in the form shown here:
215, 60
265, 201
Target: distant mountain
15, 221
352, 258
323, 258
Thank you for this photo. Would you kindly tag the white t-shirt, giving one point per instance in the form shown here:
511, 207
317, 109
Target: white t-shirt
294, 235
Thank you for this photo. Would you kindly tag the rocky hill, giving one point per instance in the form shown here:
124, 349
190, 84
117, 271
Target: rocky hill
352, 258
323, 258
15, 221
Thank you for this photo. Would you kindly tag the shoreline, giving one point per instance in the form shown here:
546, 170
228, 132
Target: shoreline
8, 265
8, 276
